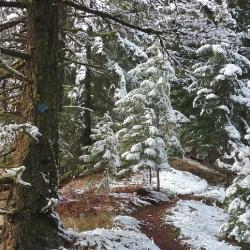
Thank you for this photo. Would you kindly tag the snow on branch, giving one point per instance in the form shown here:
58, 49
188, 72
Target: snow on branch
49, 206
79, 107
17, 173
9, 130
106, 15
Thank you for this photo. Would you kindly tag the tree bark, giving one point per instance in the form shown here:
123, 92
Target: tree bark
86, 137
158, 187
30, 227
150, 177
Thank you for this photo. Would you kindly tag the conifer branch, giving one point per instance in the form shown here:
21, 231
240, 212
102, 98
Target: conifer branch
106, 15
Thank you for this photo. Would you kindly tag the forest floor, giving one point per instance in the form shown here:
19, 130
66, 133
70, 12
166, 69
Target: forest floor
164, 236
187, 213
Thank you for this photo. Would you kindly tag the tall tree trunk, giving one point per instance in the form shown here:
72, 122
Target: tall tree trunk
86, 137
31, 227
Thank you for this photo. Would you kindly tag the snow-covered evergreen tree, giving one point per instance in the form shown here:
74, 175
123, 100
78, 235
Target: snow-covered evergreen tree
238, 194
220, 95
147, 118
103, 155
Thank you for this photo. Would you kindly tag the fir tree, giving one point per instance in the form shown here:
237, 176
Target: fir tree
103, 155
220, 92
147, 118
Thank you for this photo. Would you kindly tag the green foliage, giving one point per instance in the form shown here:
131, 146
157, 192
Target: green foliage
103, 155
238, 206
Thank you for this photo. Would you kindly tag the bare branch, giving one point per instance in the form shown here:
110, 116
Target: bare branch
20, 5
7, 153
7, 75
8, 90
11, 24
79, 107
117, 20
15, 53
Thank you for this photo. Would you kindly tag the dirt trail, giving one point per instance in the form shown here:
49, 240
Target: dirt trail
164, 236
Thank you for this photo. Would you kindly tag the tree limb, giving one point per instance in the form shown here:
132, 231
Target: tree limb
16, 73
7, 153
8, 25
8, 90
117, 20
6, 74
15, 53
20, 5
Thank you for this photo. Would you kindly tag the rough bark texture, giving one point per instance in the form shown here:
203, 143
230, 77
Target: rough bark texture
29, 228
86, 136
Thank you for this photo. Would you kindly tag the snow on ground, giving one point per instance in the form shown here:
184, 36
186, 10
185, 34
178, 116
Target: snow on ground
199, 224
115, 239
177, 182
181, 183
215, 192
198, 165
125, 236
127, 223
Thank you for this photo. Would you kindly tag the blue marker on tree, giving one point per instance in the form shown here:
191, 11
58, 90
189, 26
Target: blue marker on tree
42, 107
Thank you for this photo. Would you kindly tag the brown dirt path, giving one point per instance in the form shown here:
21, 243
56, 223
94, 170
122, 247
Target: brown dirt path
164, 236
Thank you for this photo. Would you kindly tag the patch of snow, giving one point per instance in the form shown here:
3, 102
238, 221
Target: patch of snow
215, 192
126, 223
225, 108
231, 70
115, 239
199, 224
17, 172
179, 182
232, 132
211, 96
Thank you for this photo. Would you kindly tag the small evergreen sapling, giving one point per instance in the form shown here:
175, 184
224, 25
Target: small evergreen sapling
103, 155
